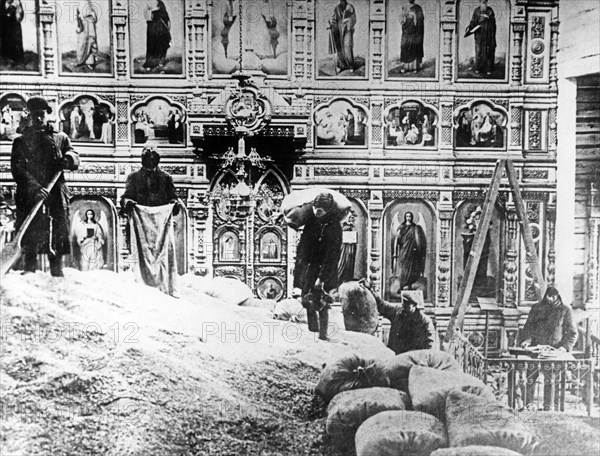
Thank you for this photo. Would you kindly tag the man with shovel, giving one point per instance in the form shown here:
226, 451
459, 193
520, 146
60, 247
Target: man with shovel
38, 156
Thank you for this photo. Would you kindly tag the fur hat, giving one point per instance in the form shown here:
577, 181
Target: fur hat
38, 104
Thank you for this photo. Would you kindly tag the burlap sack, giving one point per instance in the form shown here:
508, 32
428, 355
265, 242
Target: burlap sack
348, 410
400, 433
474, 420
398, 368
428, 388
474, 450
228, 290
349, 373
359, 308
290, 310
297, 206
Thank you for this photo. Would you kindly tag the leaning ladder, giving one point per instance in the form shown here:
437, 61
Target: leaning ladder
466, 284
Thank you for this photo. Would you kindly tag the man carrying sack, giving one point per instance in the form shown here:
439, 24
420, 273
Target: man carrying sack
37, 156
317, 260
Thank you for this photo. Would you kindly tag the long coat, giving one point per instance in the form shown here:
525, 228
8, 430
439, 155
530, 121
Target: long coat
550, 324
150, 187
318, 253
36, 157
409, 330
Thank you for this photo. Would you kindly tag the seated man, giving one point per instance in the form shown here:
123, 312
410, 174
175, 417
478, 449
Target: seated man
550, 322
411, 329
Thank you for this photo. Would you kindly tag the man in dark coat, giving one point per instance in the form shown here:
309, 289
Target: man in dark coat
37, 155
150, 186
317, 259
550, 322
411, 329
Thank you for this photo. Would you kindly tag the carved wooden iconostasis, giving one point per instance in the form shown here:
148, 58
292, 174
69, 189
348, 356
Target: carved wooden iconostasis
397, 123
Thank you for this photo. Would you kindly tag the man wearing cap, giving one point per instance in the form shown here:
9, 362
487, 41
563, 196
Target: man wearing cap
411, 329
317, 259
37, 155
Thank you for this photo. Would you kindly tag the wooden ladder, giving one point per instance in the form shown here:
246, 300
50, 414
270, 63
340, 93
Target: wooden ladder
466, 284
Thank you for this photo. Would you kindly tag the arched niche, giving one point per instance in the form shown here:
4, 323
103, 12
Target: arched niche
228, 246
14, 116
488, 278
159, 121
409, 252
87, 119
354, 256
270, 246
93, 242
411, 125
480, 125
340, 123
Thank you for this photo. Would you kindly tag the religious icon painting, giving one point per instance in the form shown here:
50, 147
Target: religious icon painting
481, 125
265, 36
157, 37
410, 249
483, 37
342, 38
19, 42
270, 247
270, 288
340, 123
13, 119
93, 234
158, 121
229, 247
84, 37
87, 120
413, 38
410, 125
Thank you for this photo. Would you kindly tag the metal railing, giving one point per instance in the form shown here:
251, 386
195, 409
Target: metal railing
539, 384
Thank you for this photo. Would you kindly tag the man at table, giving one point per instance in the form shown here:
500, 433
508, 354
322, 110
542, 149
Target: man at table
550, 322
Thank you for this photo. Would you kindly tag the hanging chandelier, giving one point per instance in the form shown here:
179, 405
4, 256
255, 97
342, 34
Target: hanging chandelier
247, 112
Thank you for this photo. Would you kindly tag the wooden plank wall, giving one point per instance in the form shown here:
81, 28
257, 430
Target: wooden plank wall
587, 170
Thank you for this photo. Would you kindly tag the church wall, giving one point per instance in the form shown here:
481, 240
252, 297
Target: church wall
440, 166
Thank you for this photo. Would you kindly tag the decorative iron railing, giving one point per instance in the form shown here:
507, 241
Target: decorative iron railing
538, 384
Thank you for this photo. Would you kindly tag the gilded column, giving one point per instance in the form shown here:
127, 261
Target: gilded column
444, 257
512, 253
375, 213
517, 58
553, 50
447, 59
46, 16
119, 18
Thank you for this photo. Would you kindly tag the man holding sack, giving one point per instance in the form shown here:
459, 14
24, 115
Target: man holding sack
317, 260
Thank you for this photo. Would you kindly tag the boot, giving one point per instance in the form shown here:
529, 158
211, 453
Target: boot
30, 261
56, 269
323, 323
313, 321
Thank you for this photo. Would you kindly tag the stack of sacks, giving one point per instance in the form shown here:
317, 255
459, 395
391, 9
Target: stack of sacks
428, 389
398, 368
359, 308
349, 409
297, 206
475, 420
400, 433
349, 373
450, 408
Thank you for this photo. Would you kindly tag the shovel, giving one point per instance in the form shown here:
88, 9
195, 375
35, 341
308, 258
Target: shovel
11, 252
